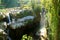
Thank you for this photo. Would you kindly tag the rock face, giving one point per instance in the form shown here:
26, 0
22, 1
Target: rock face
3, 34
25, 22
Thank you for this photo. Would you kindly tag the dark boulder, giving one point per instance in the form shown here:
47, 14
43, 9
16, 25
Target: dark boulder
25, 22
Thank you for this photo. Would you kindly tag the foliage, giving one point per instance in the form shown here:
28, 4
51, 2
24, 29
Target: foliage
52, 6
25, 37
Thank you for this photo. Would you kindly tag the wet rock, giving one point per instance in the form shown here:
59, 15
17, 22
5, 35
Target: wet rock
23, 22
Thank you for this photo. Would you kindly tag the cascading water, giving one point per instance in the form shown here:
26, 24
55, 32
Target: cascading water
43, 25
43, 19
8, 23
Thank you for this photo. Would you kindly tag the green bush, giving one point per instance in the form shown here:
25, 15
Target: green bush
25, 37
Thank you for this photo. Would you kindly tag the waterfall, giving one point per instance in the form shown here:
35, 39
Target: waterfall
43, 25
9, 22
43, 19
8, 18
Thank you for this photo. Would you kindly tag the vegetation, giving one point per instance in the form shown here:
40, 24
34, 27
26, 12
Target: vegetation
52, 6
25, 37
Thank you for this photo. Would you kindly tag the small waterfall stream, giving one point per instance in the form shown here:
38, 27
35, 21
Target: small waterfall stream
9, 22
43, 25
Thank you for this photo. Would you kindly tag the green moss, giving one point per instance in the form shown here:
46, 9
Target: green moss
25, 37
